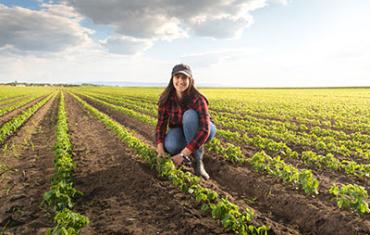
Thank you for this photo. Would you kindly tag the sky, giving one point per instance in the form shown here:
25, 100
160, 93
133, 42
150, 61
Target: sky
239, 43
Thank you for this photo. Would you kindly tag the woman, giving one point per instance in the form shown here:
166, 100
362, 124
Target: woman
185, 110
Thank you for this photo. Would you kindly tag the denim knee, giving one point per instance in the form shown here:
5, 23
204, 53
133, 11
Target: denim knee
171, 147
174, 141
190, 116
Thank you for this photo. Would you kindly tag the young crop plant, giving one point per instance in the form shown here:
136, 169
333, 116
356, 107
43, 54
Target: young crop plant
232, 218
61, 195
262, 162
351, 196
68, 223
308, 182
230, 152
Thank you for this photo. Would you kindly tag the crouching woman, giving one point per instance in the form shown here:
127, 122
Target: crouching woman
185, 110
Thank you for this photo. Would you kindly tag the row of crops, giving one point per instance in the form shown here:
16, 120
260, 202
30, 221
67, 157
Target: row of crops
317, 143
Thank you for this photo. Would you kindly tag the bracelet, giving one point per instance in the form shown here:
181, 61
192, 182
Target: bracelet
186, 158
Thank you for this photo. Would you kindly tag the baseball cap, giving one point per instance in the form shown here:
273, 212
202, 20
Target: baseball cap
182, 68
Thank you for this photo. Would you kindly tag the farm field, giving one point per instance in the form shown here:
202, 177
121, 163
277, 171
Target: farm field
284, 161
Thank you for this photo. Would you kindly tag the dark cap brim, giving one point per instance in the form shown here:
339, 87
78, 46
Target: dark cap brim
183, 72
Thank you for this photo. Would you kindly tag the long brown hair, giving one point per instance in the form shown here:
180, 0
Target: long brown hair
188, 93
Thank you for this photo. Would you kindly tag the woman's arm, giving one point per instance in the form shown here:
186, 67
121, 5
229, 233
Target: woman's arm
161, 129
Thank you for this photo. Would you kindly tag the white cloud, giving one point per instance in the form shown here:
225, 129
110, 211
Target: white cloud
170, 19
126, 45
62, 10
28, 30
283, 2
221, 27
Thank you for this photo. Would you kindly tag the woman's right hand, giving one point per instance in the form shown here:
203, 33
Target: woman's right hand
160, 150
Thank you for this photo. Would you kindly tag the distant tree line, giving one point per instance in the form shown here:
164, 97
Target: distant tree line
22, 84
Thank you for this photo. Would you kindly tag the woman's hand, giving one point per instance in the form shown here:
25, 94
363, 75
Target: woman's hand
160, 150
177, 160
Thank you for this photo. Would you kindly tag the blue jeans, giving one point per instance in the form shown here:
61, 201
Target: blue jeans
177, 138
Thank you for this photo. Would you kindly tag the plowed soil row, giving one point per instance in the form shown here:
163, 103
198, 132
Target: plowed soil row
8, 116
121, 195
30, 156
326, 177
308, 215
11, 100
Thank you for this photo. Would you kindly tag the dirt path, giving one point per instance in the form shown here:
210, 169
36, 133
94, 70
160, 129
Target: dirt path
123, 196
267, 194
30, 156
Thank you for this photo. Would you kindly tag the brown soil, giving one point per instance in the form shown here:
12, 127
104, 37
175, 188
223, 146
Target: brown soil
123, 196
29, 154
283, 204
8, 116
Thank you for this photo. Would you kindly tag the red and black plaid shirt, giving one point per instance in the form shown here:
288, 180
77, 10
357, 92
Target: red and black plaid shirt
171, 114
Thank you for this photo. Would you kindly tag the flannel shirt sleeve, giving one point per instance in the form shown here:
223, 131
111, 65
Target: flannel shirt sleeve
162, 122
204, 125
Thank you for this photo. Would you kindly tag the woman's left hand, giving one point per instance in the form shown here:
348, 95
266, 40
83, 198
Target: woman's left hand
177, 160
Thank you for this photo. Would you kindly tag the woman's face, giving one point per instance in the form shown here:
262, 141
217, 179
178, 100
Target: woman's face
181, 82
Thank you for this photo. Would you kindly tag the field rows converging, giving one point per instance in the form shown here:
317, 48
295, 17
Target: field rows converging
294, 137
141, 128
307, 158
139, 176
356, 172
82, 160
311, 158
